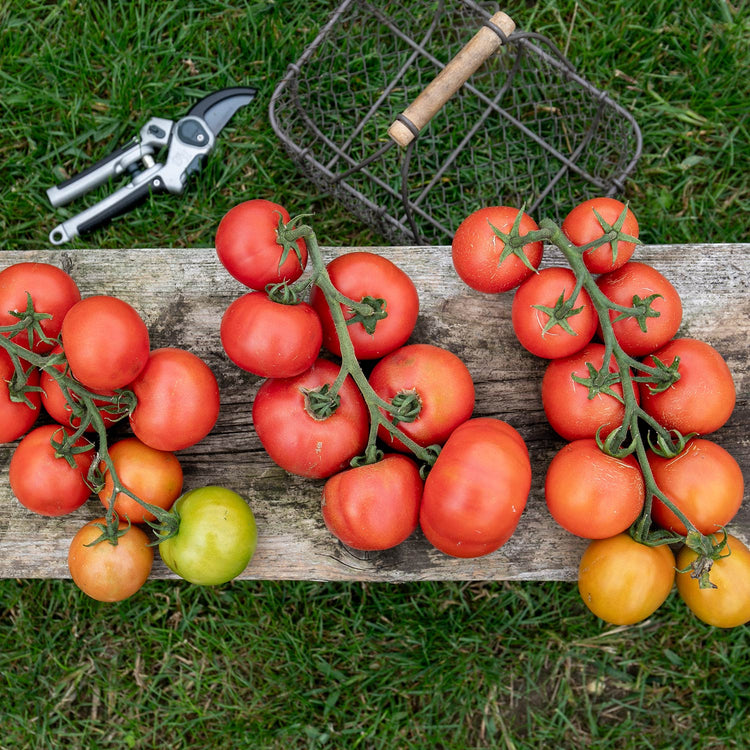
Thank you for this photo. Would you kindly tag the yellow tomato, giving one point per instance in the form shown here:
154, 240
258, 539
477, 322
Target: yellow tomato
623, 581
728, 605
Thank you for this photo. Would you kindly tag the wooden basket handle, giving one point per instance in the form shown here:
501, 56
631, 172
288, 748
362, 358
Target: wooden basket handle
450, 79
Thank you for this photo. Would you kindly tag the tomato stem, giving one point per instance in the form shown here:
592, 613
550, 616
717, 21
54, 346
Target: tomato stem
367, 312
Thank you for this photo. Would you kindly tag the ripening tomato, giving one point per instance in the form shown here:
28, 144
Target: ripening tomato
632, 285
152, 475
703, 399
247, 245
704, 481
271, 339
582, 226
478, 250
45, 483
359, 275
623, 581
536, 303
591, 494
52, 292
106, 342
477, 489
727, 605
16, 417
110, 572
301, 442
216, 538
375, 506
178, 400
432, 379
575, 410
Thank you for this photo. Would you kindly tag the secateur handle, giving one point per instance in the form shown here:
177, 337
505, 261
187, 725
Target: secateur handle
450, 79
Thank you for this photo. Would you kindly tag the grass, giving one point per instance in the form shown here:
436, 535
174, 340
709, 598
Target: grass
308, 665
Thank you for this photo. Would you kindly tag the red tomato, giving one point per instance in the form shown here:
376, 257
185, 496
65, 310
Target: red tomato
626, 286
703, 399
623, 581
178, 400
151, 475
477, 489
478, 251
106, 342
569, 406
727, 605
591, 494
58, 406
376, 506
52, 291
247, 246
44, 483
16, 418
582, 226
270, 339
545, 289
704, 481
433, 378
110, 572
295, 439
361, 274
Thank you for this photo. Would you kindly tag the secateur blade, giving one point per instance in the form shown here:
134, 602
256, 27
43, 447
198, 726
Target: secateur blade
217, 109
188, 142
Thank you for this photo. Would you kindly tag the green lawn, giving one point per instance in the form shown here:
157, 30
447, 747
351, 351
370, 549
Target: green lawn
298, 665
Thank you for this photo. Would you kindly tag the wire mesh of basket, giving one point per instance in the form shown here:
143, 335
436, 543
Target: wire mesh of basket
524, 128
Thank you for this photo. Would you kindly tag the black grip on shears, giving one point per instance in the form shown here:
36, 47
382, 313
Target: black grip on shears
114, 156
134, 198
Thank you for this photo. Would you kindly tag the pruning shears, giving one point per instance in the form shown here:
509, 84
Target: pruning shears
188, 141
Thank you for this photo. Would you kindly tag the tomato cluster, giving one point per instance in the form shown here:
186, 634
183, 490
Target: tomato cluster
89, 363
635, 424
318, 415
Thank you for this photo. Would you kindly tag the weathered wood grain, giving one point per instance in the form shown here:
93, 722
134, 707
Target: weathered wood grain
182, 295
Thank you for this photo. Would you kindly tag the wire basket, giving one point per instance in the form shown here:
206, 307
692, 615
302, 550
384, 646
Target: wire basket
413, 115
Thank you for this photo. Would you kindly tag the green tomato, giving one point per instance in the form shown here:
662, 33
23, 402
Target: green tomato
216, 538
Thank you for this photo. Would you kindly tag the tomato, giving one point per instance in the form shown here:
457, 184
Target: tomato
623, 581
727, 605
582, 226
178, 400
246, 243
106, 342
591, 494
703, 399
58, 407
216, 538
376, 506
477, 489
270, 339
110, 572
575, 410
362, 274
300, 442
631, 285
44, 483
436, 380
52, 292
545, 289
151, 475
477, 250
16, 418
704, 481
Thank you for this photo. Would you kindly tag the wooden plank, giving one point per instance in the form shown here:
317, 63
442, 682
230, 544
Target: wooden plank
182, 295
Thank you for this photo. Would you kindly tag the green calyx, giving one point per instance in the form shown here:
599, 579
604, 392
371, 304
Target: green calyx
406, 406
559, 314
641, 310
368, 311
708, 550
322, 402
